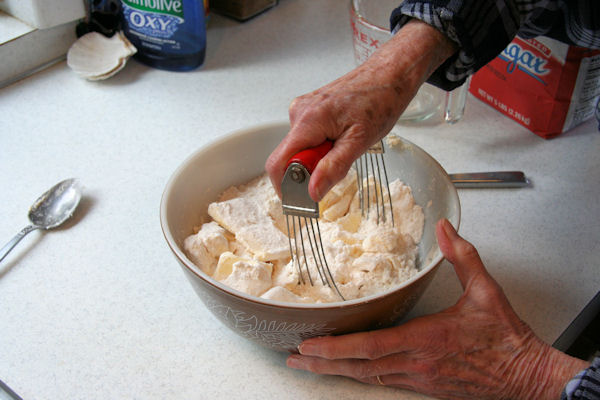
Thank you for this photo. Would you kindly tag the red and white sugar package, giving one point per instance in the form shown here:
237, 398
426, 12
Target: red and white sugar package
547, 86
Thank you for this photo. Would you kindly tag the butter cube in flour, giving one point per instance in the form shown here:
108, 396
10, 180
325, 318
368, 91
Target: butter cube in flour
244, 274
228, 259
205, 246
214, 238
339, 209
282, 294
337, 201
265, 241
236, 213
225, 265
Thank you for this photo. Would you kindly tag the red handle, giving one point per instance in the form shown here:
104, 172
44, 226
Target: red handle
309, 158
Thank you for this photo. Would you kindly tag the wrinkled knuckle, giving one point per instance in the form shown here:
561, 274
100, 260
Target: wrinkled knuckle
270, 165
430, 371
294, 105
427, 372
338, 167
466, 250
328, 352
299, 103
309, 113
363, 371
373, 348
326, 349
313, 366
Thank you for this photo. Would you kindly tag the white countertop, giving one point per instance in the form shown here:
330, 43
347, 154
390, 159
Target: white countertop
101, 309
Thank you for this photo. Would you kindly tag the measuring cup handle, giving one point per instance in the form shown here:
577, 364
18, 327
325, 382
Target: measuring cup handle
455, 103
309, 158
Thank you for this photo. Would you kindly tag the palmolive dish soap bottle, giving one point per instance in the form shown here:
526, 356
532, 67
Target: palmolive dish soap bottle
168, 34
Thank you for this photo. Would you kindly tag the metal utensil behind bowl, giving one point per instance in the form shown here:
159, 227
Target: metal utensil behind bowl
496, 179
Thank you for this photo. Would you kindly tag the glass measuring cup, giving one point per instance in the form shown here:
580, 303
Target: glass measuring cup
369, 21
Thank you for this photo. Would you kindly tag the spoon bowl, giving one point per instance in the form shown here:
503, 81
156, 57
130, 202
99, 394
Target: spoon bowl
50, 210
57, 205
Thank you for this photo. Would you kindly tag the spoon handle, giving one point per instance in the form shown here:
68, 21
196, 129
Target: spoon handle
13, 242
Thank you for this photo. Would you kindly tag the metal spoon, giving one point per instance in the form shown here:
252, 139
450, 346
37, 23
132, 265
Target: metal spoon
49, 211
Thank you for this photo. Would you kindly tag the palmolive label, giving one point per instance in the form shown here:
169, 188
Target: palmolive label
545, 85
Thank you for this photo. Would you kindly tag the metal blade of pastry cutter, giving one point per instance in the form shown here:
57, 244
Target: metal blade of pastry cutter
300, 210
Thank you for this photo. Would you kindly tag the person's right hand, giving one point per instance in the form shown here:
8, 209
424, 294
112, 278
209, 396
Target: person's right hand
361, 107
476, 349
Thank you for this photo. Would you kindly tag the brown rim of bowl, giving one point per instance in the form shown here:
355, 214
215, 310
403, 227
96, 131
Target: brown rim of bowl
193, 268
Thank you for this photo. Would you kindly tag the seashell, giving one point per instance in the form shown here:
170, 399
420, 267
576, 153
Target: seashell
95, 56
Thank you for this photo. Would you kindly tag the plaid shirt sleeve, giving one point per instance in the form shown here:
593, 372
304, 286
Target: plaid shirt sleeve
483, 28
585, 385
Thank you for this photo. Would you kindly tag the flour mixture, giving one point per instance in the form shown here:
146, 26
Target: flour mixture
246, 247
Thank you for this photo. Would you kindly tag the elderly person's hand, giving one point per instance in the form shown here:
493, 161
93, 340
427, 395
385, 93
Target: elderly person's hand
360, 108
478, 348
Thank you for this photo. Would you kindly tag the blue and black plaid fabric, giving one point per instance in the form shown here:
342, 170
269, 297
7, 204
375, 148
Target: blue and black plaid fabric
586, 385
483, 28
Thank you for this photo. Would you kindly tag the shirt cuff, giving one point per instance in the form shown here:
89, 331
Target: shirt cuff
478, 43
585, 385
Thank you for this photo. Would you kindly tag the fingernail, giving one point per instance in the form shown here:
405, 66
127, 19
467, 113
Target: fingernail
301, 348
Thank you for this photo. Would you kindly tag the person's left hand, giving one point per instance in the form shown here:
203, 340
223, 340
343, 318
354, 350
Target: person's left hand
478, 348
